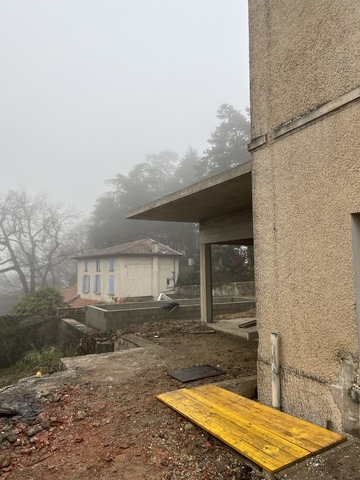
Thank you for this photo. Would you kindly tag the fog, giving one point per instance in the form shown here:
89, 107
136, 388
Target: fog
88, 88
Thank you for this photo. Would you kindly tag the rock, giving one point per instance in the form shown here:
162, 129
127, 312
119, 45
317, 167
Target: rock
26, 451
55, 422
97, 406
21, 427
54, 397
44, 421
104, 347
80, 415
5, 460
109, 457
11, 436
34, 430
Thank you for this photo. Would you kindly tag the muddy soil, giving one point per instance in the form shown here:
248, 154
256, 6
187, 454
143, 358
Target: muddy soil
100, 419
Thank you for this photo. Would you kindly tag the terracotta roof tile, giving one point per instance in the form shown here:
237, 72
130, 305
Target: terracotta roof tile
72, 298
69, 293
82, 302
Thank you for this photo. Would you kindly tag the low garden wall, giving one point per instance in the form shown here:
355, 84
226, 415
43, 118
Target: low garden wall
109, 318
71, 332
234, 289
76, 313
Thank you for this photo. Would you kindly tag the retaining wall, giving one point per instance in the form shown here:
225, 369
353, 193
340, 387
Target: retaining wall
21, 335
76, 313
109, 319
71, 332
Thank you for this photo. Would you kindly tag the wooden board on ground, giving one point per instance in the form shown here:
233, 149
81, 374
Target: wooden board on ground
271, 439
249, 323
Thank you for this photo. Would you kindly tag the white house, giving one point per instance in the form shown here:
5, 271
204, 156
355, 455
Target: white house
136, 269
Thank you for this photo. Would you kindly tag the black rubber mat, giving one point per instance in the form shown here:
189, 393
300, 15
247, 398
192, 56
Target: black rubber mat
195, 373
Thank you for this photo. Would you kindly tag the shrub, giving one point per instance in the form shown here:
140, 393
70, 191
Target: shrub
44, 301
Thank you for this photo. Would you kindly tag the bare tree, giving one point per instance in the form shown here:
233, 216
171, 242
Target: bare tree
32, 234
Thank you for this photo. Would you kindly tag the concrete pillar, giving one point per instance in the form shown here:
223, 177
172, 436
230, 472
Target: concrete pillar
206, 283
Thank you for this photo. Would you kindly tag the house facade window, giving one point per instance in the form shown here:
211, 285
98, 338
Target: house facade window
111, 264
98, 264
86, 265
111, 285
97, 284
85, 283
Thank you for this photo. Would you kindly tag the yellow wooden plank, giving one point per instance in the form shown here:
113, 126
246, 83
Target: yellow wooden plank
258, 433
257, 445
302, 433
272, 439
195, 412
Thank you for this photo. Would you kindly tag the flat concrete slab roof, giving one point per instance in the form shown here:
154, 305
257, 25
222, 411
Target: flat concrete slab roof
223, 194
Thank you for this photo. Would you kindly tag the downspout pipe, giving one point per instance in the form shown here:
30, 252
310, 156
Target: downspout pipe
275, 371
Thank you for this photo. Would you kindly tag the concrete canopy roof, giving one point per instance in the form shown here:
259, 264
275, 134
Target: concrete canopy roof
226, 193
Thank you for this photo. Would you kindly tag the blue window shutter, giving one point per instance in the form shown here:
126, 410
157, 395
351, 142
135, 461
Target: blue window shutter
87, 283
99, 279
83, 283
95, 284
111, 285
111, 264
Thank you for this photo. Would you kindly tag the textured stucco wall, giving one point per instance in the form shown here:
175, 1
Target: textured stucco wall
306, 185
302, 54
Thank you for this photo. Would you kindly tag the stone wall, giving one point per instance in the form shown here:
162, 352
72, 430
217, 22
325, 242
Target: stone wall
21, 335
76, 313
71, 332
234, 289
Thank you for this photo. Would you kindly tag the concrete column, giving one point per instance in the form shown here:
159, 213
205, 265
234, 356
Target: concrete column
206, 283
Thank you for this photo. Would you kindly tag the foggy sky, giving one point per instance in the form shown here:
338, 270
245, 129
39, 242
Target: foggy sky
88, 88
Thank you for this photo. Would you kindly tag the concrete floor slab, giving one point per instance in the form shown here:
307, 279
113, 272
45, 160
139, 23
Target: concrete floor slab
232, 326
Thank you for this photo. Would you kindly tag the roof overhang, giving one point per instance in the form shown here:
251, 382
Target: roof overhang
223, 194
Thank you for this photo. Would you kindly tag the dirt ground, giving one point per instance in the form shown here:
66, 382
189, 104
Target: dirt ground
100, 419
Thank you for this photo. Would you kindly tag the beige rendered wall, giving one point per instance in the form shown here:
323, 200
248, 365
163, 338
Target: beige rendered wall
168, 268
306, 185
143, 276
302, 54
134, 276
